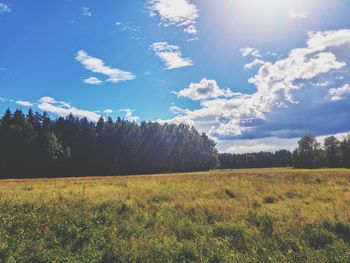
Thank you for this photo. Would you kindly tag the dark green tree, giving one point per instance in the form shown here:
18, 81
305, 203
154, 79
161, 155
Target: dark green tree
333, 152
309, 153
345, 151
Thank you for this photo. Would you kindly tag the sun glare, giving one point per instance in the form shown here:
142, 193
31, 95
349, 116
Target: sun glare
267, 11
263, 18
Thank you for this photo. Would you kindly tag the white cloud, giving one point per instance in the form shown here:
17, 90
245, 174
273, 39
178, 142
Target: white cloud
270, 144
63, 109
86, 11
93, 81
248, 51
4, 8
321, 40
46, 100
337, 93
286, 104
177, 110
191, 29
129, 115
205, 89
24, 103
171, 55
254, 63
108, 111
97, 65
180, 13
128, 26
271, 53
301, 14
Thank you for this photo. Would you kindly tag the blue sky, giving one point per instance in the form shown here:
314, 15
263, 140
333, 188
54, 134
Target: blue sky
253, 74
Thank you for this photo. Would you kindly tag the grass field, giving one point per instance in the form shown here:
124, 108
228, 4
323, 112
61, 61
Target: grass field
262, 215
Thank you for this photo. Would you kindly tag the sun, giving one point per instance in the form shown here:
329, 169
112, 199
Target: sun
267, 11
262, 18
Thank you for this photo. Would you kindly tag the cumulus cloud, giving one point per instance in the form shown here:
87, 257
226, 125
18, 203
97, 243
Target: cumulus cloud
171, 55
205, 89
93, 81
254, 63
338, 93
177, 110
63, 109
248, 51
129, 115
301, 14
180, 13
191, 29
108, 111
4, 8
97, 65
294, 95
24, 103
85, 11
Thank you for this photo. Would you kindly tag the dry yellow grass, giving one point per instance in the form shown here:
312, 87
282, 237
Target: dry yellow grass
235, 215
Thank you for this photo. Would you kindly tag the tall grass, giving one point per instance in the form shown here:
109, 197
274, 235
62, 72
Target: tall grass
256, 215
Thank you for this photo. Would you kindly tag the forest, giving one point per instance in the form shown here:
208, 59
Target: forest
310, 154
34, 145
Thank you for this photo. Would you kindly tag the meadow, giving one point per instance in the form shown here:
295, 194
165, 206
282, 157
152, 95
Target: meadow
254, 215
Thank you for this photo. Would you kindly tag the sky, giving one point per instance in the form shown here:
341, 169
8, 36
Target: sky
254, 74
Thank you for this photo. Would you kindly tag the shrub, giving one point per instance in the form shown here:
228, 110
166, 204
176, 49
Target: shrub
185, 230
233, 233
229, 193
340, 229
317, 237
187, 253
270, 200
264, 223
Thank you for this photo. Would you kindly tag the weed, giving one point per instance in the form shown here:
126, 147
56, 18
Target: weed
229, 193
270, 200
234, 234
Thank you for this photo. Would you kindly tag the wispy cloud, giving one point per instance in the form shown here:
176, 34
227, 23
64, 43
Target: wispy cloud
63, 109
301, 14
24, 103
171, 55
249, 51
93, 81
127, 26
180, 13
338, 93
4, 8
86, 11
254, 63
97, 65
108, 111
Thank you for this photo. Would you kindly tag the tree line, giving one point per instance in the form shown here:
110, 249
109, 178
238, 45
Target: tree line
33, 145
310, 154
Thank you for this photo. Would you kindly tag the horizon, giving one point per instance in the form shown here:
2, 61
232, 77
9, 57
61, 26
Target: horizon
253, 76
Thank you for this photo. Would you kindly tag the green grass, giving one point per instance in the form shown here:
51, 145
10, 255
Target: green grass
255, 215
